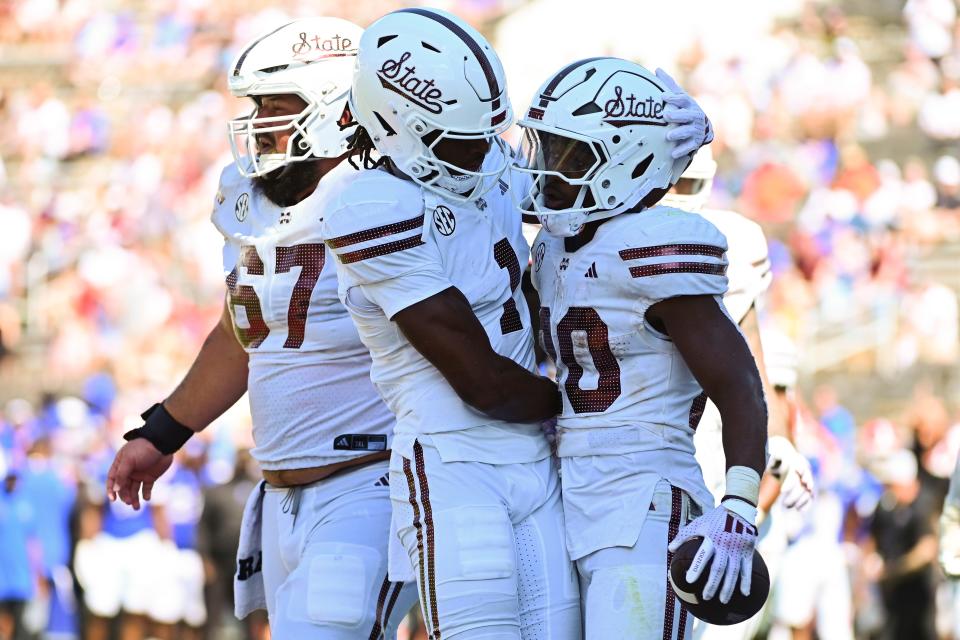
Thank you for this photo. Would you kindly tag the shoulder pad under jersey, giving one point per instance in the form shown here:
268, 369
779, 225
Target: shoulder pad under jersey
376, 226
670, 253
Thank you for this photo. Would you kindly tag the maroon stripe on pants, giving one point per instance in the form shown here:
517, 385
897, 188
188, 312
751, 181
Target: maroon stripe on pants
377, 632
393, 600
671, 603
416, 525
431, 546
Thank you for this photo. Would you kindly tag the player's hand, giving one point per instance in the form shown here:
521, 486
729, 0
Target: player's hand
792, 469
137, 464
693, 130
729, 539
549, 429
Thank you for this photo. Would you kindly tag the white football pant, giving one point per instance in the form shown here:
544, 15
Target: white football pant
325, 559
626, 590
486, 545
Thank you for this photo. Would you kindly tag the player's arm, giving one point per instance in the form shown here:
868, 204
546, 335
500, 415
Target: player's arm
718, 357
769, 486
444, 329
788, 472
750, 326
215, 381
385, 259
720, 360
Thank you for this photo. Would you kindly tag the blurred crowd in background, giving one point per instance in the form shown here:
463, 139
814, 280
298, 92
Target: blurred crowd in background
838, 129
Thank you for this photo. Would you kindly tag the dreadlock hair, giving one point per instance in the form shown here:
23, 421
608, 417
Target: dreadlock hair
361, 145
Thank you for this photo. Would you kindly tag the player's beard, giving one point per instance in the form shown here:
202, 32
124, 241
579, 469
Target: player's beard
287, 185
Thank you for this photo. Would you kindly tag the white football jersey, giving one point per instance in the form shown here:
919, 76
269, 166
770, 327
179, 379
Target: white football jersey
750, 277
396, 245
749, 264
626, 388
311, 398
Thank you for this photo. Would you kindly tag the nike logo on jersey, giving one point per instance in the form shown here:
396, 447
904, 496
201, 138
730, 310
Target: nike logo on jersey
592, 271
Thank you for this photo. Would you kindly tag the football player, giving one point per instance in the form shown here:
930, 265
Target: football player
788, 473
429, 253
321, 433
632, 313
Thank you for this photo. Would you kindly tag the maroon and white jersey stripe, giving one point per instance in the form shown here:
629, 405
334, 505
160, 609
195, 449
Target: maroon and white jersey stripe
395, 245
626, 388
309, 373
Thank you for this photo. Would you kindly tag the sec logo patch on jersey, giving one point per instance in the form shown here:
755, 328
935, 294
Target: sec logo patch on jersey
444, 220
538, 256
242, 208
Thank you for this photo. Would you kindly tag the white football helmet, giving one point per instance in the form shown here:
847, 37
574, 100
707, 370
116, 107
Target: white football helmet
312, 58
596, 124
692, 190
421, 71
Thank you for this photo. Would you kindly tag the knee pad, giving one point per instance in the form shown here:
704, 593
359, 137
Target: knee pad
333, 586
483, 537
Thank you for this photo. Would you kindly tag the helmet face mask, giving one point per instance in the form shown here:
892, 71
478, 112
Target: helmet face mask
562, 167
596, 124
459, 182
424, 82
692, 190
245, 143
285, 63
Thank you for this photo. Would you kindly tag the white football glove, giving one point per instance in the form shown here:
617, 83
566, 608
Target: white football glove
694, 130
792, 469
729, 537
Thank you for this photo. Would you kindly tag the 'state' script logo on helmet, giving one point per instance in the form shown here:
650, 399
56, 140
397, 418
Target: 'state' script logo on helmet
242, 207
332, 46
400, 78
622, 111
444, 221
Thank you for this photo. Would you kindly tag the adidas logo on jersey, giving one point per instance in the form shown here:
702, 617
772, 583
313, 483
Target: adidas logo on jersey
384, 481
592, 271
564, 264
284, 217
360, 442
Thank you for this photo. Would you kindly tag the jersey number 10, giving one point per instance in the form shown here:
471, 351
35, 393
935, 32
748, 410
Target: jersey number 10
587, 320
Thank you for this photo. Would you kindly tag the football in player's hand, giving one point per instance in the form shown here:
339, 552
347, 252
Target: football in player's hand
713, 611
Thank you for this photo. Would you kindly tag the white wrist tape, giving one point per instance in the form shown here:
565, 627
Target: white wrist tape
743, 492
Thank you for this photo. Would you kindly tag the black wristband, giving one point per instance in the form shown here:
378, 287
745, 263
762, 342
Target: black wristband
161, 430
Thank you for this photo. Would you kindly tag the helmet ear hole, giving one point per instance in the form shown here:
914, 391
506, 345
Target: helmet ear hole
587, 109
641, 168
386, 125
